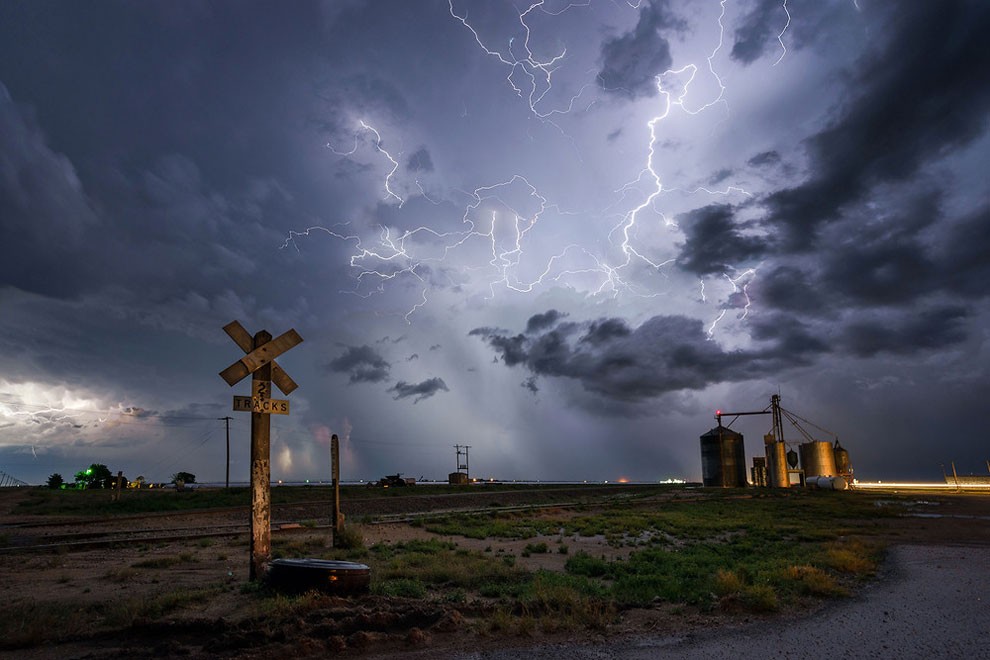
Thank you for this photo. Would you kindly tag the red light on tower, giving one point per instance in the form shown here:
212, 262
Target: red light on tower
718, 413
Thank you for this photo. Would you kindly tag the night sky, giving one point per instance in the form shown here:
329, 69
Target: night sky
562, 234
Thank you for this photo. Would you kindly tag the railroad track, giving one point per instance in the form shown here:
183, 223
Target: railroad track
72, 541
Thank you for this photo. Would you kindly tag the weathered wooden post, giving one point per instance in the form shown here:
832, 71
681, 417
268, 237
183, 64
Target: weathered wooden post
261, 469
336, 519
117, 486
260, 362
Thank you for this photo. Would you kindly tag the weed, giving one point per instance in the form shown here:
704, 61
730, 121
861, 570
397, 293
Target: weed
163, 562
761, 598
536, 548
457, 596
350, 538
812, 581
299, 546
728, 582
584, 564
853, 557
120, 575
405, 587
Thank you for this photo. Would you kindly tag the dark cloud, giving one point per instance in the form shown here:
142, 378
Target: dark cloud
414, 356
362, 363
631, 62
530, 384
664, 354
604, 330
758, 31
921, 96
906, 334
420, 161
720, 176
714, 243
435, 347
764, 159
790, 334
44, 212
421, 390
790, 289
879, 274
896, 261
962, 258
510, 348
539, 322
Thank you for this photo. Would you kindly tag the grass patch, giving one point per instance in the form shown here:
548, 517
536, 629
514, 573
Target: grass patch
734, 550
28, 624
164, 562
540, 548
404, 587
854, 557
298, 546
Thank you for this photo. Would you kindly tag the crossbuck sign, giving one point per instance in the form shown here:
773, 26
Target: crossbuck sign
259, 362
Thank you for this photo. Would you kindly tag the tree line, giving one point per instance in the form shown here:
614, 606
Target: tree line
98, 475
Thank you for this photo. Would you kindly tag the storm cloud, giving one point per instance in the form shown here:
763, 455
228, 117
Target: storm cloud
362, 364
664, 354
714, 241
631, 62
421, 390
918, 98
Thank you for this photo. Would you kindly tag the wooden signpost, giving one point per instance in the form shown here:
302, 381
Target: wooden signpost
259, 361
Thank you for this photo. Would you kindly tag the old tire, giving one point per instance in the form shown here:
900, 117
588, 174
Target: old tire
328, 576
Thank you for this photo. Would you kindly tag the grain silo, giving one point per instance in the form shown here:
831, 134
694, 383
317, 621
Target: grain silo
723, 458
817, 459
843, 467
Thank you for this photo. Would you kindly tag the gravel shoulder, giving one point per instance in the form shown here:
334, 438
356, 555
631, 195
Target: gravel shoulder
931, 602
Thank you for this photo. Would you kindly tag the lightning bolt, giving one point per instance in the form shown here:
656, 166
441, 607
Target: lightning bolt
780, 37
504, 231
538, 73
395, 163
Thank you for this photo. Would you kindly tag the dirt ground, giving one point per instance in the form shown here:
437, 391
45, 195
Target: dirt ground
140, 571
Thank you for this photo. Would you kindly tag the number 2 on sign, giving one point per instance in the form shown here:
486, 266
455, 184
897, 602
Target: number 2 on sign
262, 389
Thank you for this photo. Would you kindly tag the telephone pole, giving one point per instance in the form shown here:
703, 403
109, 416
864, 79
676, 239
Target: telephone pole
466, 464
227, 421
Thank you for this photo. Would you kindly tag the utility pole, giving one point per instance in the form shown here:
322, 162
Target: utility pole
466, 464
227, 421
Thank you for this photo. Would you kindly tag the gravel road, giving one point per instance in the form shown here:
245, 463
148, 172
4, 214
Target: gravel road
932, 603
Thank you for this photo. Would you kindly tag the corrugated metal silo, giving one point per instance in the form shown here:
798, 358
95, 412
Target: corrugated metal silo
776, 462
723, 458
843, 466
817, 459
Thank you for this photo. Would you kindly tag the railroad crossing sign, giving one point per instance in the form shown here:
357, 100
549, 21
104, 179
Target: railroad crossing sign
259, 362
258, 357
265, 406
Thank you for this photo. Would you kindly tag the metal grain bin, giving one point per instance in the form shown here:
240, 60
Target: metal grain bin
817, 459
842, 464
723, 459
776, 463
